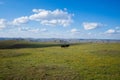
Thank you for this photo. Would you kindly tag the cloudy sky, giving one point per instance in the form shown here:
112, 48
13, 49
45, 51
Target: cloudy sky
89, 19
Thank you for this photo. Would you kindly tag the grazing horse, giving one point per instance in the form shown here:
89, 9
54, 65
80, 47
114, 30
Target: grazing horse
65, 45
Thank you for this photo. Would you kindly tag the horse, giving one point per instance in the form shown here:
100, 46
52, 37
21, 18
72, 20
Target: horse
65, 45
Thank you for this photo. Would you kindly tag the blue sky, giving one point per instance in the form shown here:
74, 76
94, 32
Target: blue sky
89, 19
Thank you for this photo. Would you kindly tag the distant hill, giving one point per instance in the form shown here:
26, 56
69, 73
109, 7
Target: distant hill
17, 44
61, 40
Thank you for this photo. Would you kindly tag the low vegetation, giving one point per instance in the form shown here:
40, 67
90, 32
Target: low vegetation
48, 61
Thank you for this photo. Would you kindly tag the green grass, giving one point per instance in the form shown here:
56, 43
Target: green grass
85, 61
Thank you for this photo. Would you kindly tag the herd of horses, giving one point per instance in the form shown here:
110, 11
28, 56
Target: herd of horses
65, 45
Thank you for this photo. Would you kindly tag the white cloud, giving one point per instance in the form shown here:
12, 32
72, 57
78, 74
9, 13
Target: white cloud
56, 17
23, 28
39, 14
52, 18
32, 29
3, 23
29, 29
110, 31
74, 30
91, 25
37, 30
20, 20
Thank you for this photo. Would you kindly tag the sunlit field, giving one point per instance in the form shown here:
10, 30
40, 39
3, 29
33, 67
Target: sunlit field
48, 61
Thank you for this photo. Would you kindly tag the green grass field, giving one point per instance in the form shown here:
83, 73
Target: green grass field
48, 61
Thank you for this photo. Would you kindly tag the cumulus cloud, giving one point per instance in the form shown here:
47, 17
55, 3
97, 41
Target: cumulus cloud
113, 31
3, 23
110, 31
56, 17
52, 18
74, 30
20, 20
91, 25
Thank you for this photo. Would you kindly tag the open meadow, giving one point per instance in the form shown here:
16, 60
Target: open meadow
48, 61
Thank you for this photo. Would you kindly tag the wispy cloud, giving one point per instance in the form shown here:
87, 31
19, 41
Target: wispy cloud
74, 30
113, 31
28, 29
91, 25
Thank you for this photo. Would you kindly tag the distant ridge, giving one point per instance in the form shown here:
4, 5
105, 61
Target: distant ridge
61, 40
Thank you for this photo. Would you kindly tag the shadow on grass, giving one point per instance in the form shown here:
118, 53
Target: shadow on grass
18, 46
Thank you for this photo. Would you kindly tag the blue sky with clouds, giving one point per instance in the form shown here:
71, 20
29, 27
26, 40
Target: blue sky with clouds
98, 19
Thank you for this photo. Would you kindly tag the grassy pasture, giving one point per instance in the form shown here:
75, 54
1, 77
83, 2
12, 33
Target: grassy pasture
48, 61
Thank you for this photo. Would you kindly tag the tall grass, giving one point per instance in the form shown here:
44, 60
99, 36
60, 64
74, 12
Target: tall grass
91, 61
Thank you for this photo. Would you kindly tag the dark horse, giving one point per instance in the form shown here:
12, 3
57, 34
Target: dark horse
64, 45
